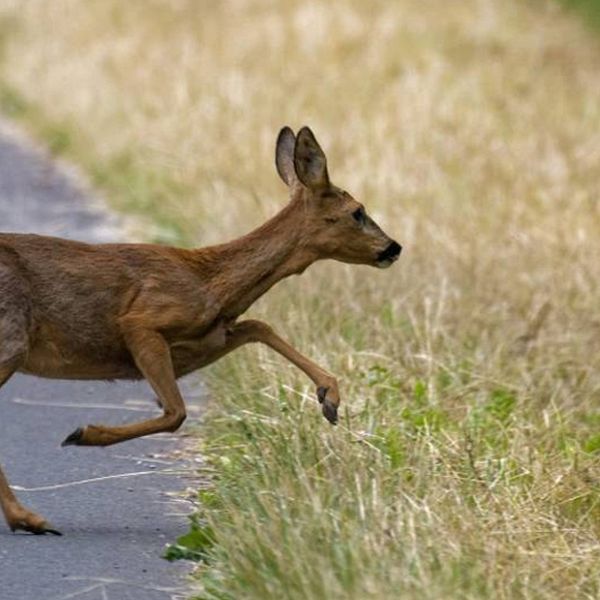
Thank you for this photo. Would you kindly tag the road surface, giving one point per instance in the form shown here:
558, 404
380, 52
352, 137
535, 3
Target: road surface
117, 507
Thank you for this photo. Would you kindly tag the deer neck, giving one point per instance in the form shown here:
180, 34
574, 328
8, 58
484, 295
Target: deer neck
247, 267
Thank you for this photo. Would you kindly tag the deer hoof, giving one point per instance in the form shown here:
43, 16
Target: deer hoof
74, 438
32, 523
327, 406
43, 530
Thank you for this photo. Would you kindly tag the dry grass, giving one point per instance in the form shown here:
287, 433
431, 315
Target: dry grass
465, 465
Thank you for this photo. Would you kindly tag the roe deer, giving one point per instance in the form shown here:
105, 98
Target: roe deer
70, 310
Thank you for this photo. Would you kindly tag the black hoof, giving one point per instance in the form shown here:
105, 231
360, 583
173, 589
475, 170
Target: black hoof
54, 532
74, 438
47, 530
42, 529
329, 410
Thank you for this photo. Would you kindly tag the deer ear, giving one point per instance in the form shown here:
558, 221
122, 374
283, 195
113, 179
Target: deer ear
284, 155
310, 161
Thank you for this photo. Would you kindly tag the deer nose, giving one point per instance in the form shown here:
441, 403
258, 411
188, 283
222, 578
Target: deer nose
391, 253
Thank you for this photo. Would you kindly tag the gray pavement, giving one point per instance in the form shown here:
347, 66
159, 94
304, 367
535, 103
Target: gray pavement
117, 507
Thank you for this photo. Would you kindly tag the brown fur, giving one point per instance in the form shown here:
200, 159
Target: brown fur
71, 310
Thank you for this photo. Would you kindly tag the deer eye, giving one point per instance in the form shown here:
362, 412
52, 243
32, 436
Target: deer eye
359, 216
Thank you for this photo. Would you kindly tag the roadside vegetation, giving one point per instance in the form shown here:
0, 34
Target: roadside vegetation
466, 460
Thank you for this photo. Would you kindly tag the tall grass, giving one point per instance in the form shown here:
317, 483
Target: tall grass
465, 464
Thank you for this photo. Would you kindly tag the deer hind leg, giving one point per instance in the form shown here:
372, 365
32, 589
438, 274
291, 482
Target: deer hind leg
16, 515
248, 331
152, 356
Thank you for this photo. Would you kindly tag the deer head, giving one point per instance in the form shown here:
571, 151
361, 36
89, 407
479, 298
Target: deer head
334, 224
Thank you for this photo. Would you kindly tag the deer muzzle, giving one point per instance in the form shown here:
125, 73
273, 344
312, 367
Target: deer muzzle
388, 256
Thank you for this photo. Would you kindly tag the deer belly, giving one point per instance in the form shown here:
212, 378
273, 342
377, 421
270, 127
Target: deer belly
58, 356
61, 366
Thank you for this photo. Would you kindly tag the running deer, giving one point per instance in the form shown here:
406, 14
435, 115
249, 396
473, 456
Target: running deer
70, 310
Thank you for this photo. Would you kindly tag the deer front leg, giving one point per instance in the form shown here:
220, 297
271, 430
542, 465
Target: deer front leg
257, 331
152, 357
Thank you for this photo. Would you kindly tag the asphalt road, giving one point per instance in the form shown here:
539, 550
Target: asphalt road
117, 507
